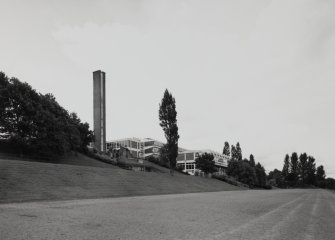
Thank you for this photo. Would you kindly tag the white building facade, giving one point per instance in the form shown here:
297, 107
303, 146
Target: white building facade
139, 148
142, 148
186, 160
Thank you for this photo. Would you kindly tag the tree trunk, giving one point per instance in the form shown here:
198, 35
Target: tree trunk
171, 169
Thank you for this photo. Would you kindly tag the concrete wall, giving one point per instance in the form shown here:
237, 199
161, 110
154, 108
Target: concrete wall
99, 110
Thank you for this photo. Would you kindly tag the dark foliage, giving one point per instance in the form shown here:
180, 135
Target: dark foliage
36, 124
293, 176
226, 149
238, 152
286, 168
320, 174
245, 172
311, 171
276, 178
302, 168
158, 161
233, 152
168, 121
230, 180
300, 172
205, 162
260, 176
252, 160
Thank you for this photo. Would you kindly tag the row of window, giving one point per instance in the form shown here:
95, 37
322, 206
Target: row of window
186, 166
186, 156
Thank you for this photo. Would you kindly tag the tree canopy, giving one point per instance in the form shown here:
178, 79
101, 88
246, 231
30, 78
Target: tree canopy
205, 162
36, 123
168, 121
301, 172
226, 149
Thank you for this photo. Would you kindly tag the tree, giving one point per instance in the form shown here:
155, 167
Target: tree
252, 160
302, 167
276, 178
205, 162
226, 149
168, 121
294, 169
238, 152
286, 168
233, 153
36, 124
260, 175
311, 169
164, 156
242, 171
320, 174
329, 183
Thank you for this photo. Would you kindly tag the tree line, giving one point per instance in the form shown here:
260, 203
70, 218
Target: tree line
300, 171
35, 124
242, 169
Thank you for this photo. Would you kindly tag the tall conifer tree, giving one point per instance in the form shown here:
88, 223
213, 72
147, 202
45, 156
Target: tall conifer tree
168, 121
294, 169
286, 167
226, 149
239, 151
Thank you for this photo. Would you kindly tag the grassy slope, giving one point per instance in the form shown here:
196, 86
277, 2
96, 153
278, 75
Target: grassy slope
83, 177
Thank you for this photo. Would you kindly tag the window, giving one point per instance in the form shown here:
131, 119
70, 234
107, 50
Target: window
151, 143
181, 157
133, 144
181, 165
190, 166
149, 150
189, 156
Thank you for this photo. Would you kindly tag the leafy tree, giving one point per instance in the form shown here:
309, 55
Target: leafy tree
302, 167
36, 124
276, 178
329, 183
252, 160
168, 121
205, 162
242, 171
311, 169
260, 175
294, 169
286, 168
233, 153
226, 149
238, 152
164, 156
320, 174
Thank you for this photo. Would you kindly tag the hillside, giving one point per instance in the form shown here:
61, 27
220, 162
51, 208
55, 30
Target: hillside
84, 177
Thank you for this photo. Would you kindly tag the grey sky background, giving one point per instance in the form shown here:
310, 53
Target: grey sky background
259, 72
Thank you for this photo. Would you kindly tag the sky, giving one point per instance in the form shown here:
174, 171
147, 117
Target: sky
257, 72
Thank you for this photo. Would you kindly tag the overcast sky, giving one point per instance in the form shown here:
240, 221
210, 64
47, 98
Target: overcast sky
259, 72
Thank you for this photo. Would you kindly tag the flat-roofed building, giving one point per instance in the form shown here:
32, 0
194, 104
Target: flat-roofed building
142, 148
139, 148
186, 160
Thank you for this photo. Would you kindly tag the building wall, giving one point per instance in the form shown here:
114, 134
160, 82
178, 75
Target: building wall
99, 110
143, 148
186, 160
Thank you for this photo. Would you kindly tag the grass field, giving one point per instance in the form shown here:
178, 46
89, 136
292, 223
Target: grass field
83, 177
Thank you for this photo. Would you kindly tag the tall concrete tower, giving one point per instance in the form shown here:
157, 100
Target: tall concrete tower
99, 110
